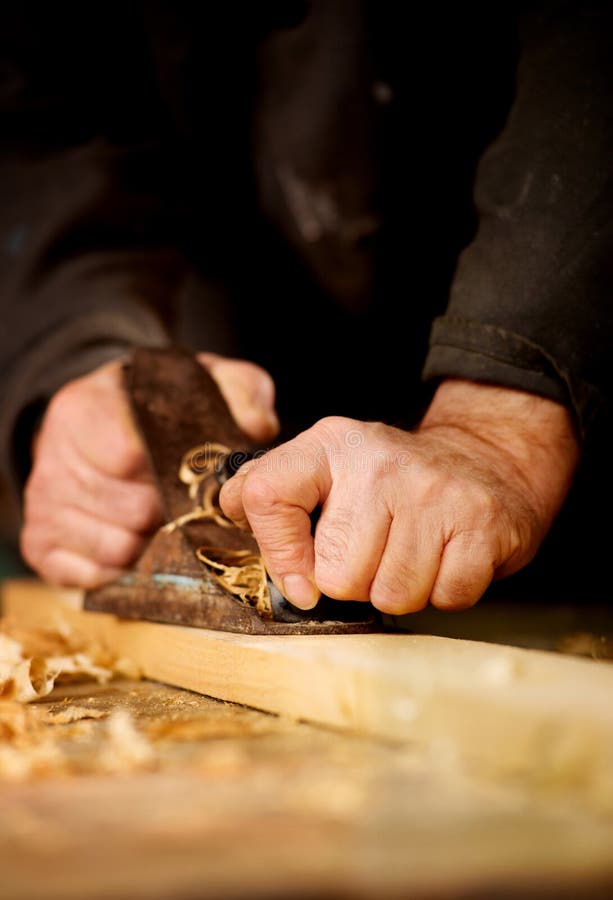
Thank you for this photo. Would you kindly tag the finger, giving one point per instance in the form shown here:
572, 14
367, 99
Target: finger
276, 496
350, 538
107, 545
67, 569
283, 532
135, 507
466, 570
249, 391
231, 497
408, 567
102, 431
73, 482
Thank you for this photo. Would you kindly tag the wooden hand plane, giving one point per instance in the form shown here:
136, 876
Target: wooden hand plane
178, 406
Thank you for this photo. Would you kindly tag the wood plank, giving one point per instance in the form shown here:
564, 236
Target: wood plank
512, 711
238, 804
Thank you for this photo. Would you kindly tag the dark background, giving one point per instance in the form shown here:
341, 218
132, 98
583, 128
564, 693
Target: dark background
184, 78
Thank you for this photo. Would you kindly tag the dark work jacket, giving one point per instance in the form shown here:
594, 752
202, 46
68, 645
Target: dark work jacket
180, 169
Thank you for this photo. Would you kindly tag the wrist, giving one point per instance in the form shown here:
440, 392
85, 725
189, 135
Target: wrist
525, 437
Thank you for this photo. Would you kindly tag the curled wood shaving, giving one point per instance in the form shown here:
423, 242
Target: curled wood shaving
207, 509
200, 463
32, 661
21, 678
239, 572
197, 471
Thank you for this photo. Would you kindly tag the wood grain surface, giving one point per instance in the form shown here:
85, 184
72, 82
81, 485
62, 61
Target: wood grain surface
505, 709
231, 802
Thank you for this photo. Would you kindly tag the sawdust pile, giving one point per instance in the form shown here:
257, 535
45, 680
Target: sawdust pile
32, 746
32, 662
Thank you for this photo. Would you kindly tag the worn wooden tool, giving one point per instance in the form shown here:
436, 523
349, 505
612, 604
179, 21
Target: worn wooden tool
182, 416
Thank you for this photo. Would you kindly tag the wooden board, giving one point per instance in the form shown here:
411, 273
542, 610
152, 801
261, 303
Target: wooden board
231, 802
238, 804
509, 710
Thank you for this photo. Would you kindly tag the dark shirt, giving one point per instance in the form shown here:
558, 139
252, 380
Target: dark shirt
175, 168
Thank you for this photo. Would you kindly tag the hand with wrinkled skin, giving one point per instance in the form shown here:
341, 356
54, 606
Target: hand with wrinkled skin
91, 502
408, 518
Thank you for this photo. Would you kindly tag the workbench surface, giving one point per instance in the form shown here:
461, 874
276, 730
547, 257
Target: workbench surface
216, 800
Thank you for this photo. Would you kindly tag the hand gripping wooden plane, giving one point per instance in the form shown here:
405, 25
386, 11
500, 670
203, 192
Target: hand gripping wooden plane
199, 569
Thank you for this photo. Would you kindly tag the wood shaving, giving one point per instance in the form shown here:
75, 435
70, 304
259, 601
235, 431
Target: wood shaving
32, 661
197, 471
25, 749
30, 748
239, 572
70, 714
23, 678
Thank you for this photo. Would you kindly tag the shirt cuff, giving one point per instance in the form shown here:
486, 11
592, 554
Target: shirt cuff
464, 348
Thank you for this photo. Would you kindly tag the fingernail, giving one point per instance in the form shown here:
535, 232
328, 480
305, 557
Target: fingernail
300, 591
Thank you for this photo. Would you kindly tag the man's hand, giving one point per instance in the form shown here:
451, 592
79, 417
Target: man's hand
91, 501
410, 517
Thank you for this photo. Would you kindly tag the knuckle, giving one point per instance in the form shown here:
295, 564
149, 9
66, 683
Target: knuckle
334, 573
333, 422
331, 428
396, 590
259, 495
286, 549
231, 502
485, 504
479, 501
116, 548
455, 593
340, 585
139, 509
65, 408
284, 560
333, 538
461, 587
62, 402
59, 568
51, 567
125, 455
467, 508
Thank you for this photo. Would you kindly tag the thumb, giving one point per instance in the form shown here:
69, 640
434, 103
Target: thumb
275, 495
248, 390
